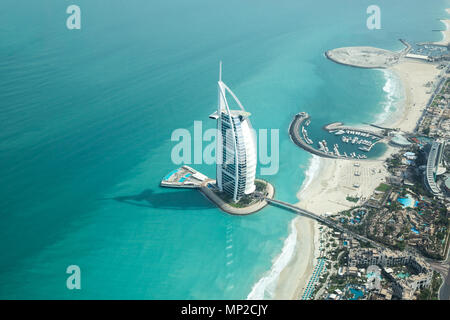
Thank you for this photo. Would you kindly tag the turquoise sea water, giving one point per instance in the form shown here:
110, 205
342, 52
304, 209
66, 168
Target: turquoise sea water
87, 118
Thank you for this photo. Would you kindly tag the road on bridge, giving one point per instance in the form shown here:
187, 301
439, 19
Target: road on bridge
324, 220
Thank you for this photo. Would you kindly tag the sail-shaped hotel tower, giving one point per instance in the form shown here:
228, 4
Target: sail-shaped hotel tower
236, 147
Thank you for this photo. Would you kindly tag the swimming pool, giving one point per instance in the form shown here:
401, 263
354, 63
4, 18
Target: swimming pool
408, 201
356, 294
170, 174
185, 177
403, 275
373, 274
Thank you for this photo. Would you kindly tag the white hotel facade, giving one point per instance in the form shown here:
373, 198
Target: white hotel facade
236, 146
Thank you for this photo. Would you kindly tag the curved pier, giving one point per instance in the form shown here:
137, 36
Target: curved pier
294, 133
340, 126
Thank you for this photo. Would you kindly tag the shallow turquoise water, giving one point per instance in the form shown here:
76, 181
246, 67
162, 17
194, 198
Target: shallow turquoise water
87, 118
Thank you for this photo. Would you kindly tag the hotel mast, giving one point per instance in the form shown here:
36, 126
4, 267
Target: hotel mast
236, 147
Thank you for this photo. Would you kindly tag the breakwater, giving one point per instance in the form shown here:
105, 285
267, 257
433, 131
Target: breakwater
294, 133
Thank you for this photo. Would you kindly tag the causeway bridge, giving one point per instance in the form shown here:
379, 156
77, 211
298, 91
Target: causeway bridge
323, 220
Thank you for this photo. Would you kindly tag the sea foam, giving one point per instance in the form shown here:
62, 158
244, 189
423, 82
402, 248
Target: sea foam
393, 97
265, 287
312, 172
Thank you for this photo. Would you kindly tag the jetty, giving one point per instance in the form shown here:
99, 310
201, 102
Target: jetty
357, 131
381, 127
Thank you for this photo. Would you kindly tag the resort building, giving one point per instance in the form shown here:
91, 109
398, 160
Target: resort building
447, 183
385, 258
434, 159
402, 288
373, 282
405, 288
236, 147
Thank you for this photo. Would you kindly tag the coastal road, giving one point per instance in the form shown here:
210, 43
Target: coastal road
443, 268
436, 91
444, 293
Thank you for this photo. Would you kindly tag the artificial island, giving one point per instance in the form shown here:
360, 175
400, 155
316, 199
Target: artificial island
235, 189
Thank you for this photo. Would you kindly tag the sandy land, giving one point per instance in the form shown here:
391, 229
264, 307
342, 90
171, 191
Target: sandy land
326, 193
336, 179
446, 33
414, 75
301, 263
364, 57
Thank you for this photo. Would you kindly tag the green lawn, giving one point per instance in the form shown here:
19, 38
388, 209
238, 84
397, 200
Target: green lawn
383, 187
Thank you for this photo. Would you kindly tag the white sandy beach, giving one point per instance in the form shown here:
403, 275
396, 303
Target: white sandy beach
302, 262
414, 75
335, 179
446, 33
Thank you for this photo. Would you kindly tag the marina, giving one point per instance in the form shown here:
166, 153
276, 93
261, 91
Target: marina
363, 139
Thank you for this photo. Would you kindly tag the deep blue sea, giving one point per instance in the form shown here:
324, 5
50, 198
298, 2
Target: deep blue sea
87, 116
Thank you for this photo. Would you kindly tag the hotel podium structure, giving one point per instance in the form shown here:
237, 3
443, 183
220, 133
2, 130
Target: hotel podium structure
236, 147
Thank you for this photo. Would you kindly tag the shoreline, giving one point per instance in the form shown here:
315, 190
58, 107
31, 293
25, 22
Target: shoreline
306, 247
414, 75
445, 33
333, 179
